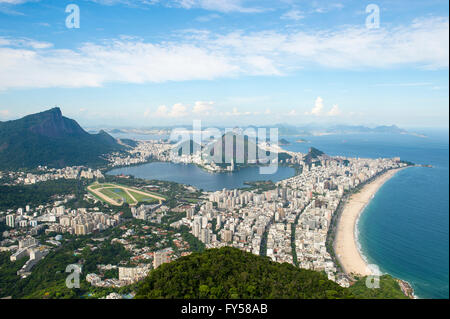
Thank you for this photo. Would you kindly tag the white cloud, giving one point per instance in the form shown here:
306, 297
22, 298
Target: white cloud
211, 5
178, 110
207, 18
132, 3
293, 15
202, 108
161, 111
346, 47
93, 65
318, 107
4, 113
8, 6
29, 63
218, 5
261, 65
327, 8
375, 48
335, 111
236, 112
147, 113
15, 1
24, 43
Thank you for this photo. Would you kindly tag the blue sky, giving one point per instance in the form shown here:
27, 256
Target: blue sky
157, 62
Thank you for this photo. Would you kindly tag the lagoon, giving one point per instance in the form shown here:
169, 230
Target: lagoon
190, 174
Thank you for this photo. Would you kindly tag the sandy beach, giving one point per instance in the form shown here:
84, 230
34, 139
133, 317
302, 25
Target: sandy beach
345, 241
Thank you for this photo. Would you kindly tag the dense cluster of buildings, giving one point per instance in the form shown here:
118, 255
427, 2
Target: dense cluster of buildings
81, 221
152, 213
26, 247
130, 275
59, 219
290, 221
145, 150
127, 276
27, 223
43, 174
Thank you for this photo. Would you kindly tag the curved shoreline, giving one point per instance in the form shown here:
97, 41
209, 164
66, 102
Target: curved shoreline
346, 241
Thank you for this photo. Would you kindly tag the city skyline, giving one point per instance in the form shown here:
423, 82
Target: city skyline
151, 63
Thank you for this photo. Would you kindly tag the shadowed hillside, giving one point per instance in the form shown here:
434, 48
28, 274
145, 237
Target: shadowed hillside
48, 138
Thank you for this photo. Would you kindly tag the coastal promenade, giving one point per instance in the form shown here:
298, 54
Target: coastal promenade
346, 246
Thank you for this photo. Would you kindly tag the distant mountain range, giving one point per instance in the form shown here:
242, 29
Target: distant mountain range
314, 129
50, 139
288, 129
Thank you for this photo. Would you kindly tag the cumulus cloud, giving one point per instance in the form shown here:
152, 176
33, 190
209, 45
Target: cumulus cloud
318, 107
161, 111
335, 111
29, 63
181, 110
176, 111
201, 107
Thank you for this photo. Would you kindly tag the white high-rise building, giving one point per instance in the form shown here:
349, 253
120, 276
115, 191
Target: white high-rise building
10, 220
196, 229
205, 236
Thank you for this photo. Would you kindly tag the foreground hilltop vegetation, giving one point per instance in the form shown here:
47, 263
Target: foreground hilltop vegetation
231, 273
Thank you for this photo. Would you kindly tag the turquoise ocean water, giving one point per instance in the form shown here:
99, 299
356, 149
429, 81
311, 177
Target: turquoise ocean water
405, 228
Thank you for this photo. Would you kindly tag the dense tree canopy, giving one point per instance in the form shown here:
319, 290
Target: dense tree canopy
231, 273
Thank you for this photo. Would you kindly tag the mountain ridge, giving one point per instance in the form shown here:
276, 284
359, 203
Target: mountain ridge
49, 139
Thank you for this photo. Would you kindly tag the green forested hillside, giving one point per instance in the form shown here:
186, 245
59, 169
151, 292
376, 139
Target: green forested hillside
231, 273
215, 273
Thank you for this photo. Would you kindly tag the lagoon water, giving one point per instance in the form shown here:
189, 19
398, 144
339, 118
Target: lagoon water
404, 229
190, 174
